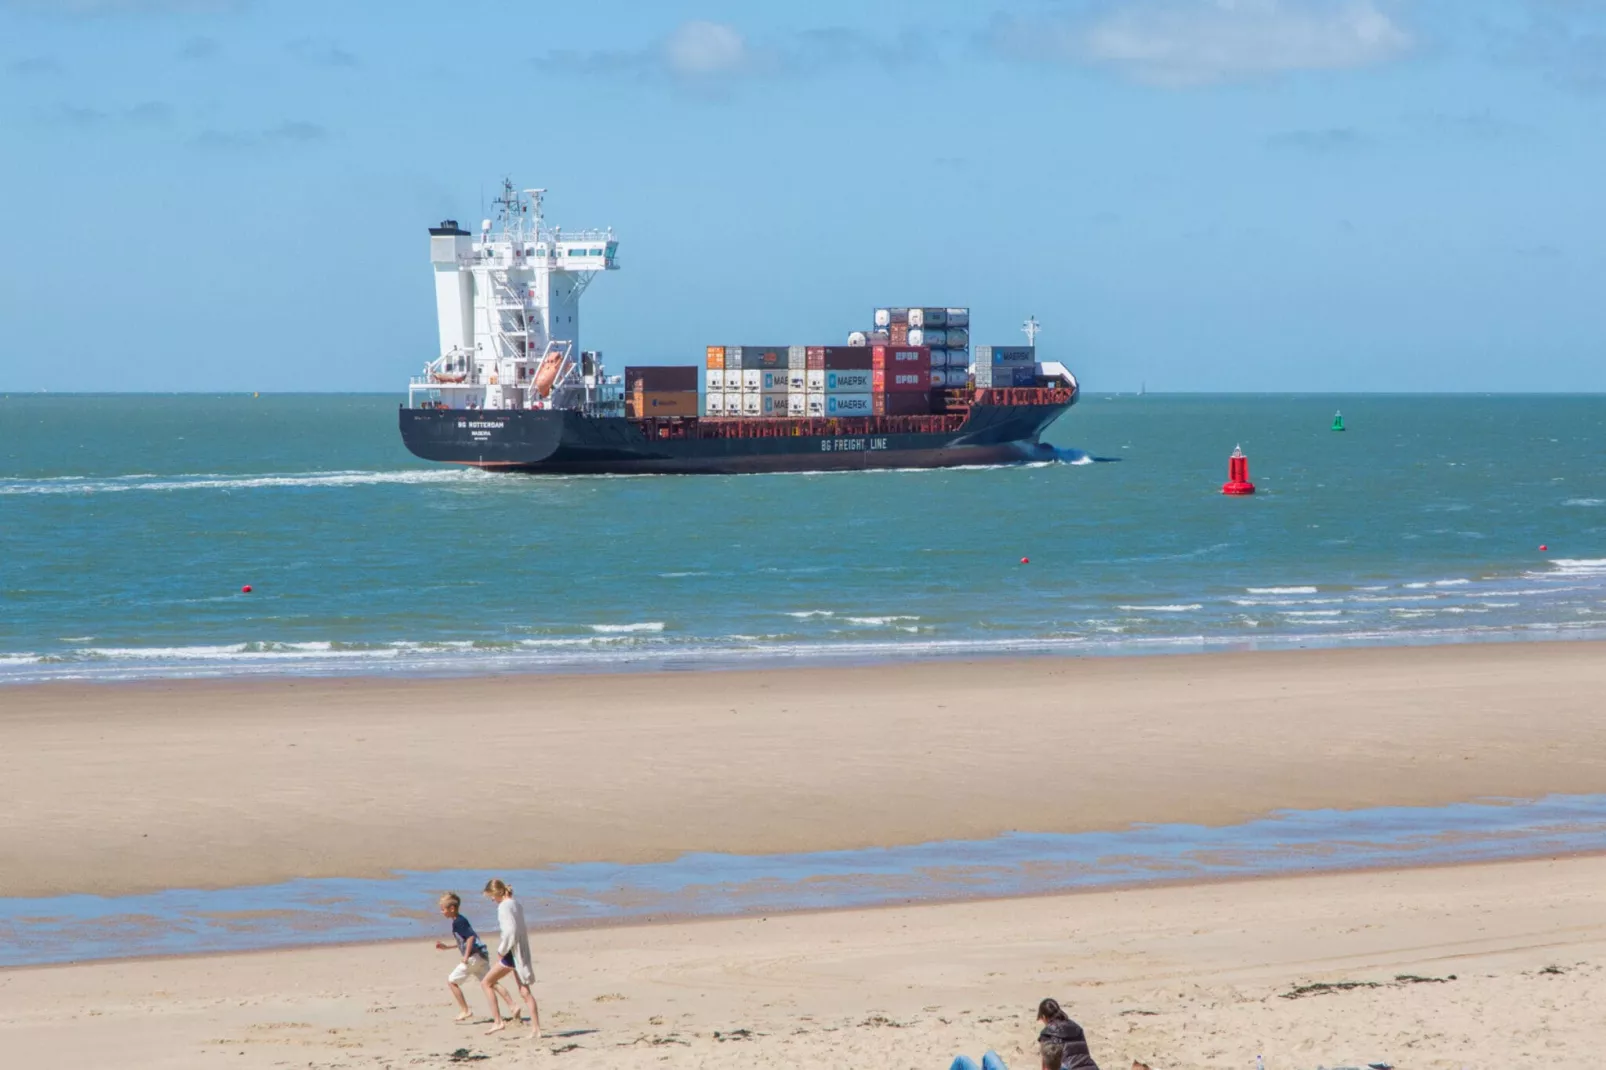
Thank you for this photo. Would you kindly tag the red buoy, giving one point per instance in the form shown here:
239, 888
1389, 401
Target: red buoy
1238, 474
246, 589
1544, 549
1025, 560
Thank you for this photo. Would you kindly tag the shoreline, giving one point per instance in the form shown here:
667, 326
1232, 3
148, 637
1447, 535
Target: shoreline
609, 925
211, 784
824, 656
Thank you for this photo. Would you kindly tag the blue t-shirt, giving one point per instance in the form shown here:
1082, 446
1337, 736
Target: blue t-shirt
464, 932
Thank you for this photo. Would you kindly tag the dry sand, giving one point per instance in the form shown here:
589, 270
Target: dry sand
134, 787
1180, 977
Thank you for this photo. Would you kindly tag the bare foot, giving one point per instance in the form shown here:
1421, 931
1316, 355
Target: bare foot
497, 1028
535, 1034
465, 1016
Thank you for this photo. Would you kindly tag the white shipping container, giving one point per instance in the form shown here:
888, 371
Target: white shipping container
797, 357
958, 317
815, 406
958, 336
927, 336
858, 338
883, 317
752, 381
849, 404
797, 403
927, 317
849, 382
814, 382
752, 405
713, 404
797, 380
716, 380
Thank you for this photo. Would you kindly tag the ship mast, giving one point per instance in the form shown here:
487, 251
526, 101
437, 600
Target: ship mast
1031, 330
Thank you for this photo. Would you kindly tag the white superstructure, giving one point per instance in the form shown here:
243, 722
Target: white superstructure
508, 306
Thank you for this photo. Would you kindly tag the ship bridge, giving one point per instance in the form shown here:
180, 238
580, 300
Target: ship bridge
507, 302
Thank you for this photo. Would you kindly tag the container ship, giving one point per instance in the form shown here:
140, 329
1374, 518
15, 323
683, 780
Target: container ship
513, 391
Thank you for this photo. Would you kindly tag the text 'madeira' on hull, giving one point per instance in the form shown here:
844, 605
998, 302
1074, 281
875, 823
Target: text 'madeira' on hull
512, 390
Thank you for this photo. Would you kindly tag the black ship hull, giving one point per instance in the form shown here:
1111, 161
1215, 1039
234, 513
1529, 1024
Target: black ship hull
560, 442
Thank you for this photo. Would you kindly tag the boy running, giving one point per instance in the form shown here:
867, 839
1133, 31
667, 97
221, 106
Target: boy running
475, 961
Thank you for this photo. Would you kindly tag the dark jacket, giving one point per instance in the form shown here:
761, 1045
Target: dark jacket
1069, 1034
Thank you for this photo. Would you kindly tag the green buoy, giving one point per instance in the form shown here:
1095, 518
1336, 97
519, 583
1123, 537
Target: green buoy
1338, 421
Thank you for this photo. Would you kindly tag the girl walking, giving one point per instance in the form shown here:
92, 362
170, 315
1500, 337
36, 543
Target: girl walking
513, 957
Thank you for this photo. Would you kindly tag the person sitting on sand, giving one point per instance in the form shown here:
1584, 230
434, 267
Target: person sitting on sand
475, 960
513, 957
1059, 1029
1052, 1052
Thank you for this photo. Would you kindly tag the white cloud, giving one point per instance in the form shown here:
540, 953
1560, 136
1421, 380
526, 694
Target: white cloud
1201, 42
703, 49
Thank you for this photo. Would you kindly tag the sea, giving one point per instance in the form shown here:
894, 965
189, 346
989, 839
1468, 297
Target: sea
130, 525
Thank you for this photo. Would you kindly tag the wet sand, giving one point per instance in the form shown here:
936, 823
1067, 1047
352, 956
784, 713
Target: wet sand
134, 787
1179, 977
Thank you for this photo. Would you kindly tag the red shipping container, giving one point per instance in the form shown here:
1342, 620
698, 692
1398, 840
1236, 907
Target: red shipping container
901, 358
899, 333
900, 381
847, 358
814, 358
911, 403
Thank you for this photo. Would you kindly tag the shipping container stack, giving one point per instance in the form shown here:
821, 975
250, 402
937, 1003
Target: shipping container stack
1005, 366
748, 380
658, 391
944, 331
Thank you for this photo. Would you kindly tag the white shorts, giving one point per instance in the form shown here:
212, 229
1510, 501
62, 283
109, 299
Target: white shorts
475, 967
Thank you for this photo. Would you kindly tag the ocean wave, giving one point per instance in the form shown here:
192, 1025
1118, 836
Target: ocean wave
878, 622
1281, 590
629, 629
1286, 601
807, 614
1575, 566
1585, 502
1313, 612
215, 481
1437, 583
1162, 609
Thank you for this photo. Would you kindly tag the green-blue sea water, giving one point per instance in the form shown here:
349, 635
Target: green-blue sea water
128, 525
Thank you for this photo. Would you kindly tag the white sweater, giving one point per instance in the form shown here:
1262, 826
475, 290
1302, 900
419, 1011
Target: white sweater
515, 938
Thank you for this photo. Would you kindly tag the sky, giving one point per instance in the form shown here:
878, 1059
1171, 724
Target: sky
1195, 195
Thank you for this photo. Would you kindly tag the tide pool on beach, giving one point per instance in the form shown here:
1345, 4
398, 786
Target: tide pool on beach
133, 521
36, 931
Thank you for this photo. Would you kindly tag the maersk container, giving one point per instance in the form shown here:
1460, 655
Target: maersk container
752, 381
797, 404
849, 405
928, 317
845, 358
814, 406
774, 382
715, 380
716, 356
814, 380
854, 381
957, 336
928, 336
797, 357
752, 405
958, 317
797, 380
1000, 355
773, 405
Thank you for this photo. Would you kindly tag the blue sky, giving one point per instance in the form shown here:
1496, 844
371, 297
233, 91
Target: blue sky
1203, 194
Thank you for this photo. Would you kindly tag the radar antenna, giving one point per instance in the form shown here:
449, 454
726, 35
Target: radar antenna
1031, 329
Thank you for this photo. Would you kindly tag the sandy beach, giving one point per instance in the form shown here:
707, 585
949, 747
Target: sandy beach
1179, 977
133, 787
